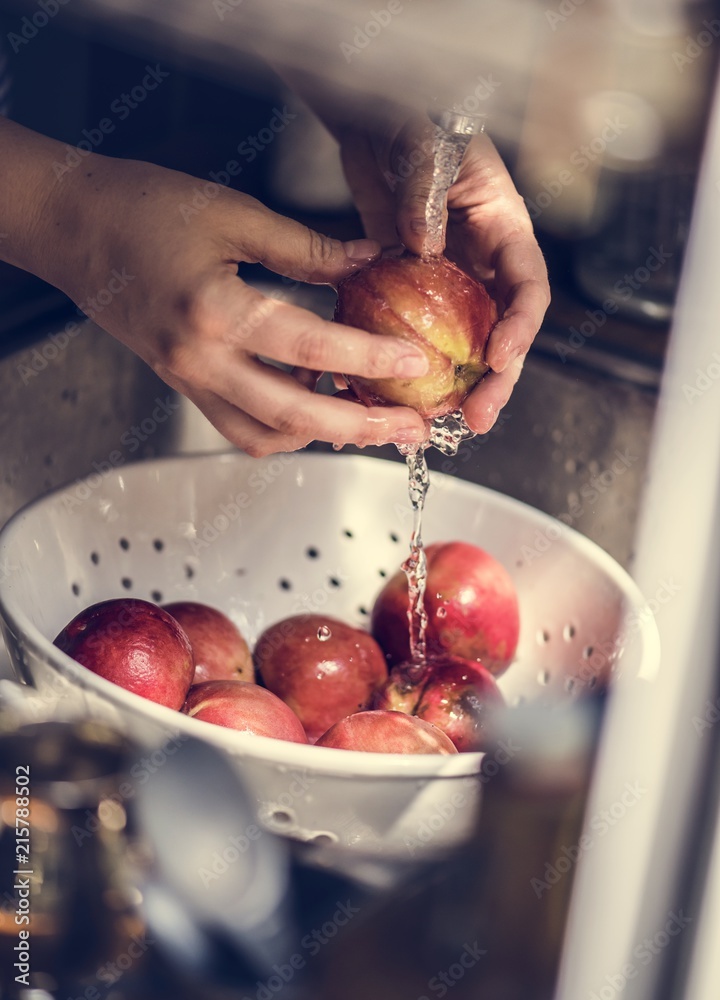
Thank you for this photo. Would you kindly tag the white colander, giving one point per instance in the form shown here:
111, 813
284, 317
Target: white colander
265, 539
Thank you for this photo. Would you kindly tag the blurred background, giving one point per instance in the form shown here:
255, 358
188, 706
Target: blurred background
600, 109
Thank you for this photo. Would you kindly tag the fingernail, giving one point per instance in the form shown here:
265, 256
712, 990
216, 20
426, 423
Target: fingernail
411, 366
361, 249
408, 435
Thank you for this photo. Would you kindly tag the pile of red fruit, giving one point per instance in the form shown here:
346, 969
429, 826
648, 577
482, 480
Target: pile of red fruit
314, 679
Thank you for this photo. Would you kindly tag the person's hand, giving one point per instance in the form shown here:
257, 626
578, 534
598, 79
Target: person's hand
153, 260
489, 235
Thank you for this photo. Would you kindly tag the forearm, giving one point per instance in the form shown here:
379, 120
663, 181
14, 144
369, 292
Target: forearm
35, 215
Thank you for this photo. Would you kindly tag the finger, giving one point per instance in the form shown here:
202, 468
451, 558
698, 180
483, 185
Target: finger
240, 429
297, 337
484, 403
521, 283
276, 399
289, 248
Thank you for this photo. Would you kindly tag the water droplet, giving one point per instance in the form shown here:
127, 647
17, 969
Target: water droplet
324, 633
442, 612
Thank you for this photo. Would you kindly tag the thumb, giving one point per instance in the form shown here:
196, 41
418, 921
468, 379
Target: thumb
295, 251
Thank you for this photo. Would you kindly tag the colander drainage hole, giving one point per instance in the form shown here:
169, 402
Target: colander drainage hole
544, 677
94, 558
569, 632
76, 589
323, 838
394, 537
156, 596
587, 652
592, 682
312, 553
383, 573
127, 583
348, 533
334, 582
158, 544
189, 571
124, 544
570, 684
284, 584
363, 610
282, 817
543, 637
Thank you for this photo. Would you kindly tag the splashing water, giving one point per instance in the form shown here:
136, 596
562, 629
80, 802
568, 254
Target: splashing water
446, 434
449, 149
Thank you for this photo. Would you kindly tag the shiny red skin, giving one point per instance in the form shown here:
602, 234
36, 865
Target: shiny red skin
134, 644
386, 732
432, 303
246, 707
471, 604
459, 697
321, 680
219, 650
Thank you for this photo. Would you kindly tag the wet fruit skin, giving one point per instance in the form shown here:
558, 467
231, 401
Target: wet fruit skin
386, 732
134, 644
458, 696
434, 305
321, 667
471, 604
219, 650
245, 707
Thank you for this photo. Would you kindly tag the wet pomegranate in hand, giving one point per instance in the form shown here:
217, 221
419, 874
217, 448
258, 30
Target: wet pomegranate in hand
134, 644
321, 667
471, 604
436, 306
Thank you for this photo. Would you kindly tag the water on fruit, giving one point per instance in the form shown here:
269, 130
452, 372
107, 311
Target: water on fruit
324, 633
446, 434
449, 151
